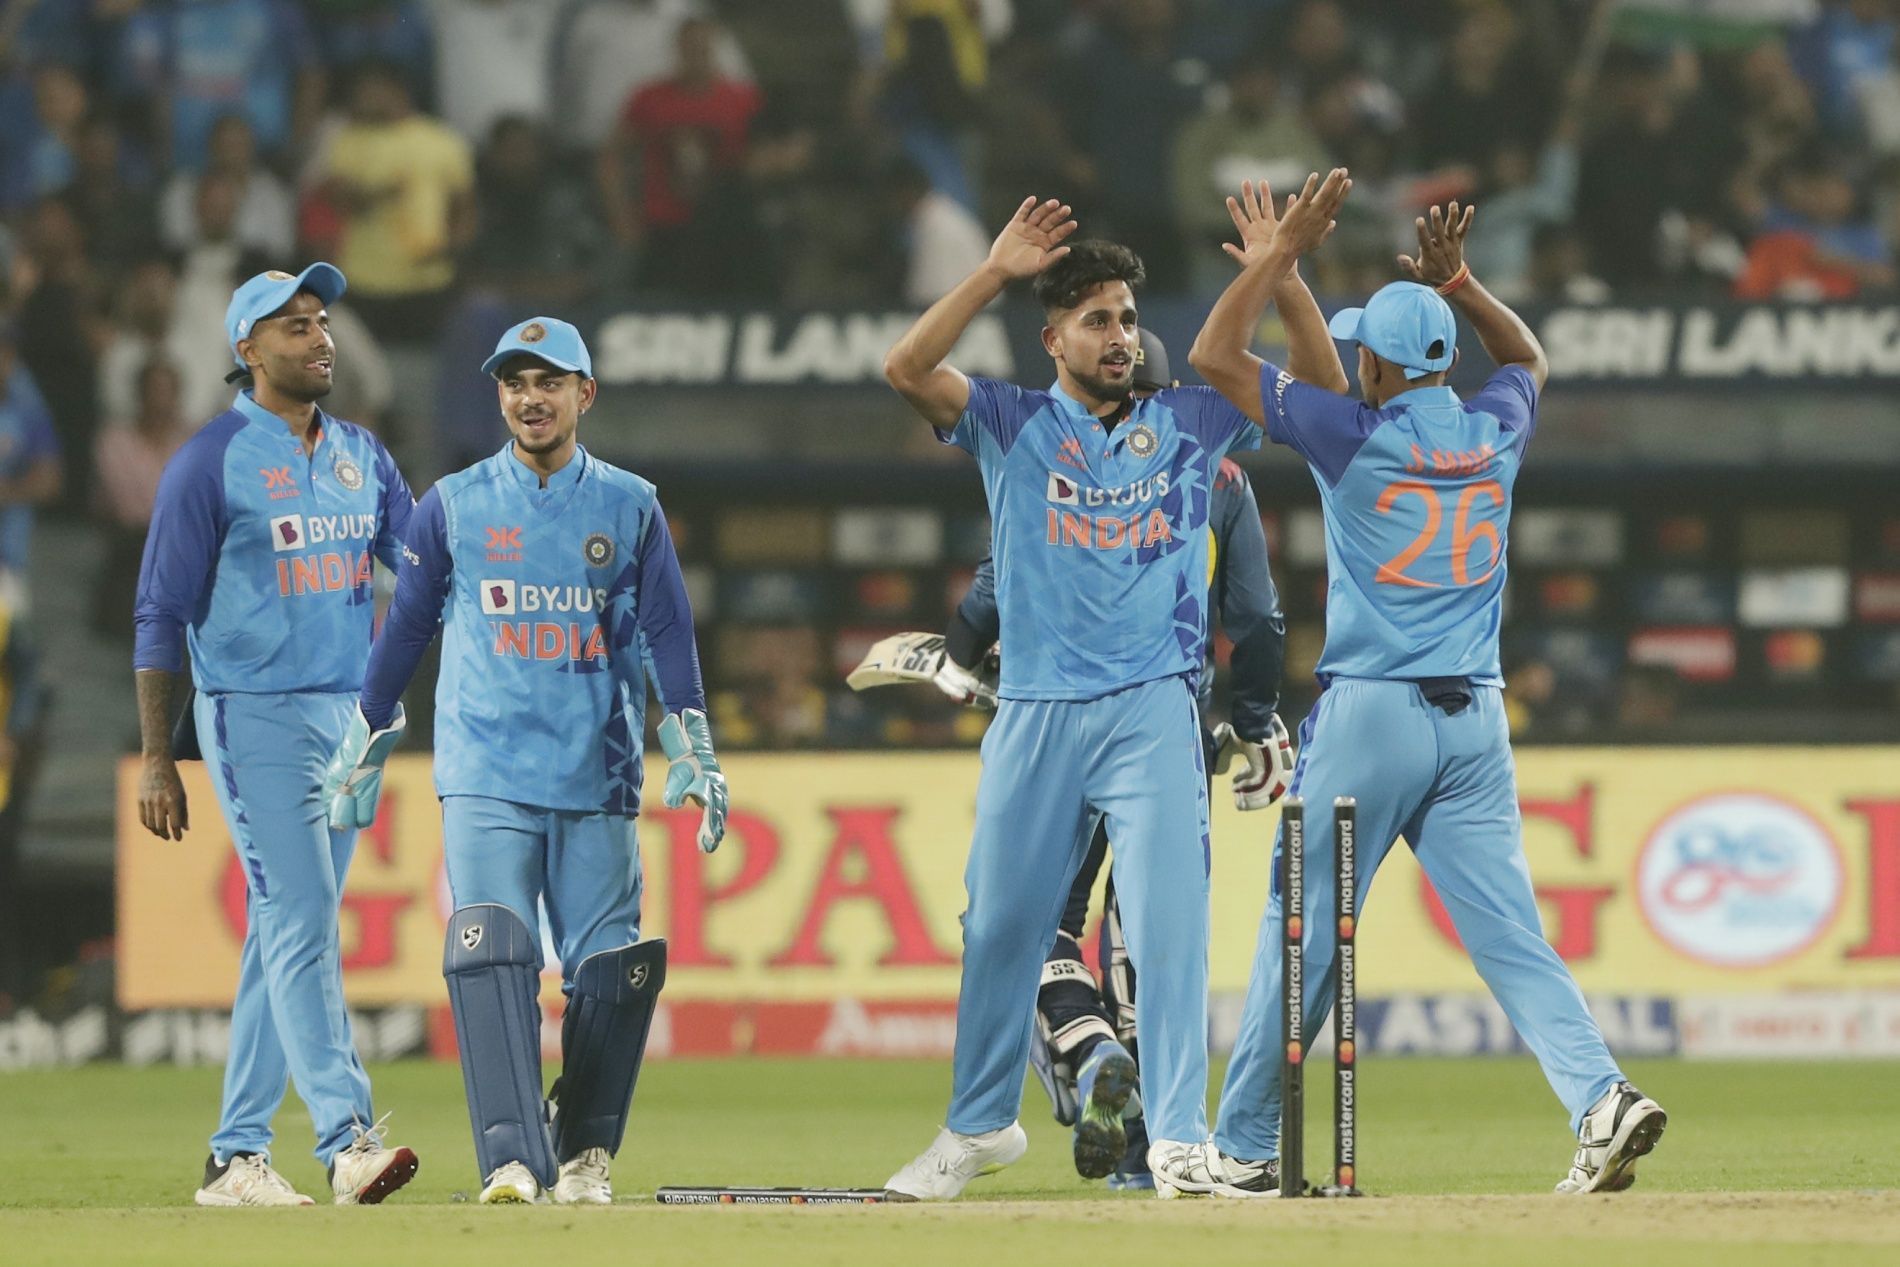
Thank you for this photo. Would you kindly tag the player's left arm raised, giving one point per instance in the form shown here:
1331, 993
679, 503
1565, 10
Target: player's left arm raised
1441, 265
663, 632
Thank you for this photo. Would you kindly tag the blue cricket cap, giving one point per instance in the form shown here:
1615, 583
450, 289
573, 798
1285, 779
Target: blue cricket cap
547, 339
267, 292
1408, 324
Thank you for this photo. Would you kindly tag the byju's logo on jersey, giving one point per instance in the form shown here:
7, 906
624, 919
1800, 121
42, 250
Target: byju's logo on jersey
1739, 880
286, 533
498, 598
1062, 490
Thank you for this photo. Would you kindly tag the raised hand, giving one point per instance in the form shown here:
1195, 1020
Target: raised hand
1309, 216
1441, 245
1032, 240
1255, 219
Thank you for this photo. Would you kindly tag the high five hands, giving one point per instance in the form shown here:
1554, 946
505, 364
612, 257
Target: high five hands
1307, 221
1032, 240
1441, 245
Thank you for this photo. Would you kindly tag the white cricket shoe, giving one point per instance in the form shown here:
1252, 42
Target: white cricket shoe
584, 1180
367, 1170
1184, 1170
247, 1179
512, 1184
942, 1171
1624, 1125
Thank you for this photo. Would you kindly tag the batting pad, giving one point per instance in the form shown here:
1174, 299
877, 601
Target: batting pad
603, 1041
493, 966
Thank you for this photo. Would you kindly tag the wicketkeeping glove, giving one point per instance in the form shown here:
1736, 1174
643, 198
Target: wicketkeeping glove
353, 781
1268, 768
693, 771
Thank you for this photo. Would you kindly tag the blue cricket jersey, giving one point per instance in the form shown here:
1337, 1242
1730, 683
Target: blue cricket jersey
1417, 500
558, 600
259, 555
1100, 535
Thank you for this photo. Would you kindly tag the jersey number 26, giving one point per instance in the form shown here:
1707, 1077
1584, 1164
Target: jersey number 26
1464, 533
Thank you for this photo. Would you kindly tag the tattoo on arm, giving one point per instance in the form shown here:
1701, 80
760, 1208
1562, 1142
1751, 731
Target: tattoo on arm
155, 711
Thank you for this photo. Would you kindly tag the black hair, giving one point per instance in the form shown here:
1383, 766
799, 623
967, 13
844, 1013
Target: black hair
1088, 264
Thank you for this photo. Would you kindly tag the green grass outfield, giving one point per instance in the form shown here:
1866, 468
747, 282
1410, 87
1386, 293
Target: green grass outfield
1762, 1163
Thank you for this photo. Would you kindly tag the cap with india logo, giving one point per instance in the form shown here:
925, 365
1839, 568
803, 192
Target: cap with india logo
1407, 324
546, 339
265, 293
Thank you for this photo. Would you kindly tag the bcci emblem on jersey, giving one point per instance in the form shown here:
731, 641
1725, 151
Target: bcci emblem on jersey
348, 473
1142, 441
598, 550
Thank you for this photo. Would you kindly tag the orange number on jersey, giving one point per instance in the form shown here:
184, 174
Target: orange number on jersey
1464, 533
1392, 572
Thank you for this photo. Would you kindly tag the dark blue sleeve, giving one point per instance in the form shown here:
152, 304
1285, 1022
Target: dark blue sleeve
1325, 428
422, 587
993, 419
181, 554
40, 440
1510, 396
976, 624
664, 618
1249, 604
1212, 419
399, 506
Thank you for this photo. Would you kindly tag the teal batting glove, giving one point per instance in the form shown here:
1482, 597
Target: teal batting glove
693, 773
353, 781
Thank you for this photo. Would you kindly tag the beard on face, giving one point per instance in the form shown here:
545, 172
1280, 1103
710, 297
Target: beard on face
1106, 388
299, 383
528, 442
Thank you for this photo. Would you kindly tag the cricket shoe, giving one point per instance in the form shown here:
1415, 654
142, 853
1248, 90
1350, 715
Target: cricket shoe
1184, 1170
368, 1170
1621, 1127
944, 1169
247, 1179
512, 1184
1102, 1089
1133, 1174
1247, 1179
584, 1180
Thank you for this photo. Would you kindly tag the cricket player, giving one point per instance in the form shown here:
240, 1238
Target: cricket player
553, 577
1084, 1047
1416, 489
258, 559
1099, 507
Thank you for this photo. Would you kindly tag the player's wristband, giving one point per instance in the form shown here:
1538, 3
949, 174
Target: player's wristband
1458, 279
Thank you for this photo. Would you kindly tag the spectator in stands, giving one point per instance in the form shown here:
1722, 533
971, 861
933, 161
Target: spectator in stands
265, 218
29, 471
1850, 43
1816, 242
194, 63
1488, 93
395, 32
936, 71
1131, 96
1029, 140
538, 236
1558, 270
111, 194
59, 333
39, 149
942, 243
130, 455
607, 50
146, 326
1319, 45
1255, 134
679, 146
403, 185
493, 58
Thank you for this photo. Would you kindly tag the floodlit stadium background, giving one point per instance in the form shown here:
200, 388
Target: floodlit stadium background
742, 203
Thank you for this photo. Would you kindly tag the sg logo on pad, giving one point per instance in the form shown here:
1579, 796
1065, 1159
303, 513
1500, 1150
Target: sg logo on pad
498, 598
286, 533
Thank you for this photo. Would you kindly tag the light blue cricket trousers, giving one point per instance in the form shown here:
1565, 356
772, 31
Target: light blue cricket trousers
1446, 782
266, 755
587, 866
1050, 770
